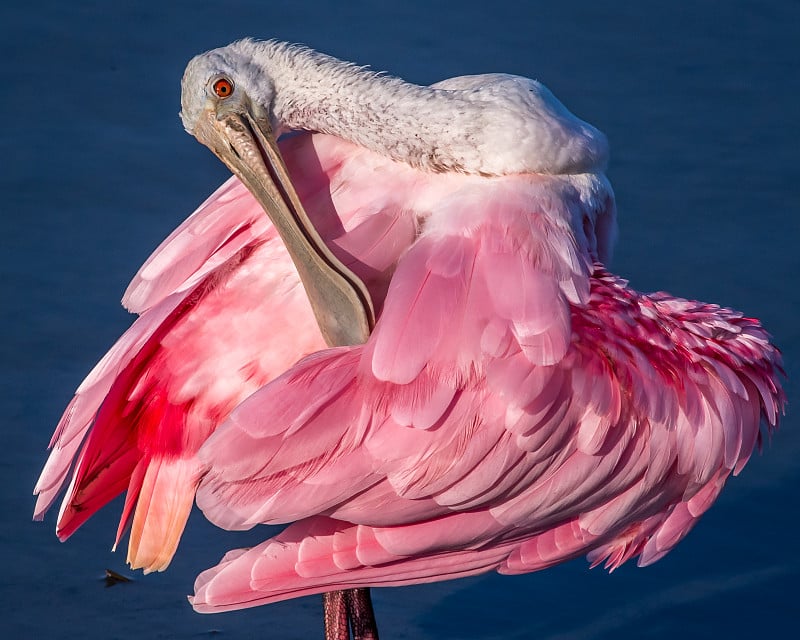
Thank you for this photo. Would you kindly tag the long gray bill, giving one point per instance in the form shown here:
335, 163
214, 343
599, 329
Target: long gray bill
340, 300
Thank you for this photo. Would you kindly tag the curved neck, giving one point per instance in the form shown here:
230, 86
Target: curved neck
488, 125
407, 122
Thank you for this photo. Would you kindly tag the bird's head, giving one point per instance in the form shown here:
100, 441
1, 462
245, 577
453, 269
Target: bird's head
226, 103
226, 82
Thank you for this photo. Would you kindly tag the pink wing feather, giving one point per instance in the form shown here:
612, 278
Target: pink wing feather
511, 410
222, 313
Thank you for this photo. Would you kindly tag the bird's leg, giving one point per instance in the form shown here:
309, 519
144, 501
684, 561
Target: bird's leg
349, 611
361, 614
334, 607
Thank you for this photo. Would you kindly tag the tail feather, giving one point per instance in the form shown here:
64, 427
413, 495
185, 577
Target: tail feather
131, 498
164, 503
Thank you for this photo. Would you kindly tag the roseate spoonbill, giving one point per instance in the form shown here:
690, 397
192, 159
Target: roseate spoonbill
515, 406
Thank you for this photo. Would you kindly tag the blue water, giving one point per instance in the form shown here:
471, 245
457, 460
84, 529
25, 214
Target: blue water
700, 103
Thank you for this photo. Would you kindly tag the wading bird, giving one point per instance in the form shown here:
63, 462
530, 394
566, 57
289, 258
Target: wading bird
515, 404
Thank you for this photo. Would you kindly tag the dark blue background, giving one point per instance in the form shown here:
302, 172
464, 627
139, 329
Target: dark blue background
699, 100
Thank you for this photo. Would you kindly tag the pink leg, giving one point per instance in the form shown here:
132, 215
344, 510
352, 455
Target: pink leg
349, 610
334, 606
361, 614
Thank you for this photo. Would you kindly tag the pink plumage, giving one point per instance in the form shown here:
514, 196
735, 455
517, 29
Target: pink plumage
627, 440
222, 312
516, 405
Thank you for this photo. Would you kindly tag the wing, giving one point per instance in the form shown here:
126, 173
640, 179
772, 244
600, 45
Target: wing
456, 304
140, 416
222, 312
509, 412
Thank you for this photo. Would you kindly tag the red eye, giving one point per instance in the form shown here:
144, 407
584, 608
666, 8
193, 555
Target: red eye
223, 87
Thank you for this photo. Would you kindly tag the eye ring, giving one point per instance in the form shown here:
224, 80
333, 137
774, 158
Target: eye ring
222, 87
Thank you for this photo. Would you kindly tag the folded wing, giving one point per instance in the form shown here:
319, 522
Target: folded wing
515, 407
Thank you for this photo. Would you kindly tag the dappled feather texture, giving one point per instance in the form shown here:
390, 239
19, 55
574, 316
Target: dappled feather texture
223, 312
480, 453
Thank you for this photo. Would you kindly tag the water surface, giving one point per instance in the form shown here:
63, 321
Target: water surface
700, 104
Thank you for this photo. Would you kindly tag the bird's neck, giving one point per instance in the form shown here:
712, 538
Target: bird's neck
488, 125
431, 129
